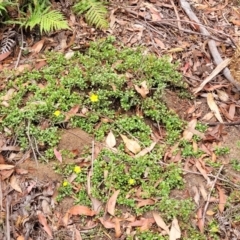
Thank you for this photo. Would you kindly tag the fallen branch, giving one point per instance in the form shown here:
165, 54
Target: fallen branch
211, 43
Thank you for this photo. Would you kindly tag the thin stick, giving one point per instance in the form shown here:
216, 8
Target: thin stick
93, 149
7, 219
31, 145
176, 13
20, 52
209, 195
36, 146
1, 196
222, 123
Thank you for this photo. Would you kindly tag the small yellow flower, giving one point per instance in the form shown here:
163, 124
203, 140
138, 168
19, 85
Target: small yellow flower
65, 183
94, 97
57, 113
77, 169
131, 181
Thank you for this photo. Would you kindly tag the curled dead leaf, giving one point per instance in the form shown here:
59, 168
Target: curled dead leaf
213, 106
42, 219
14, 184
112, 202
175, 232
160, 222
143, 90
131, 145
81, 210
110, 140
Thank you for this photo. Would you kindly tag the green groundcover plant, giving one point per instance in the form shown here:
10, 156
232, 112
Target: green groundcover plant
101, 81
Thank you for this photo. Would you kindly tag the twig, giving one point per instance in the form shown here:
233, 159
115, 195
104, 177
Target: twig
36, 147
92, 159
1, 196
222, 123
7, 219
20, 52
31, 145
209, 195
167, 23
176, 13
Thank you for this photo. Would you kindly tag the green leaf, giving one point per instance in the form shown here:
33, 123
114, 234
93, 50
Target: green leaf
95, 12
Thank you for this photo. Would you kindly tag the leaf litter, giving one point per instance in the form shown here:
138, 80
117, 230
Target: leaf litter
214, 84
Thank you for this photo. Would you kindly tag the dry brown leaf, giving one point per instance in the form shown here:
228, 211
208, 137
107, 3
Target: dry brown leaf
213, 106
223, 96
143, 90
20, 237
10, 148
46, 207
175, 232
65, 219
222, 199
117, 227
141, 222
42, 219
78, 234
9, 95
37, 47
72, 112
202, 171
147, 223
208, 116
188, 134
145, 202
210, 213
58, 155
39, 65
81, 210
203, 192
232, 110
174, 50
131, 145
106, 223
146, 150
110, 140
159, 221
6, 166
23, 67
235, 22
6, 174
154, 12
200, 220
14, 184
112, 202
159, 43
4, 55
196, 195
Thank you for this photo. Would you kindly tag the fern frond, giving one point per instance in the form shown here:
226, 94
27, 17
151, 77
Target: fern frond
3, 5
52, 20
47, 19
95, 12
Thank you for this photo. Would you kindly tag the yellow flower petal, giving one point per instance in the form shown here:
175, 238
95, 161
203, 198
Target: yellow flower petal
94, 97
77, 169
65, 183
57, 113
131, 181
